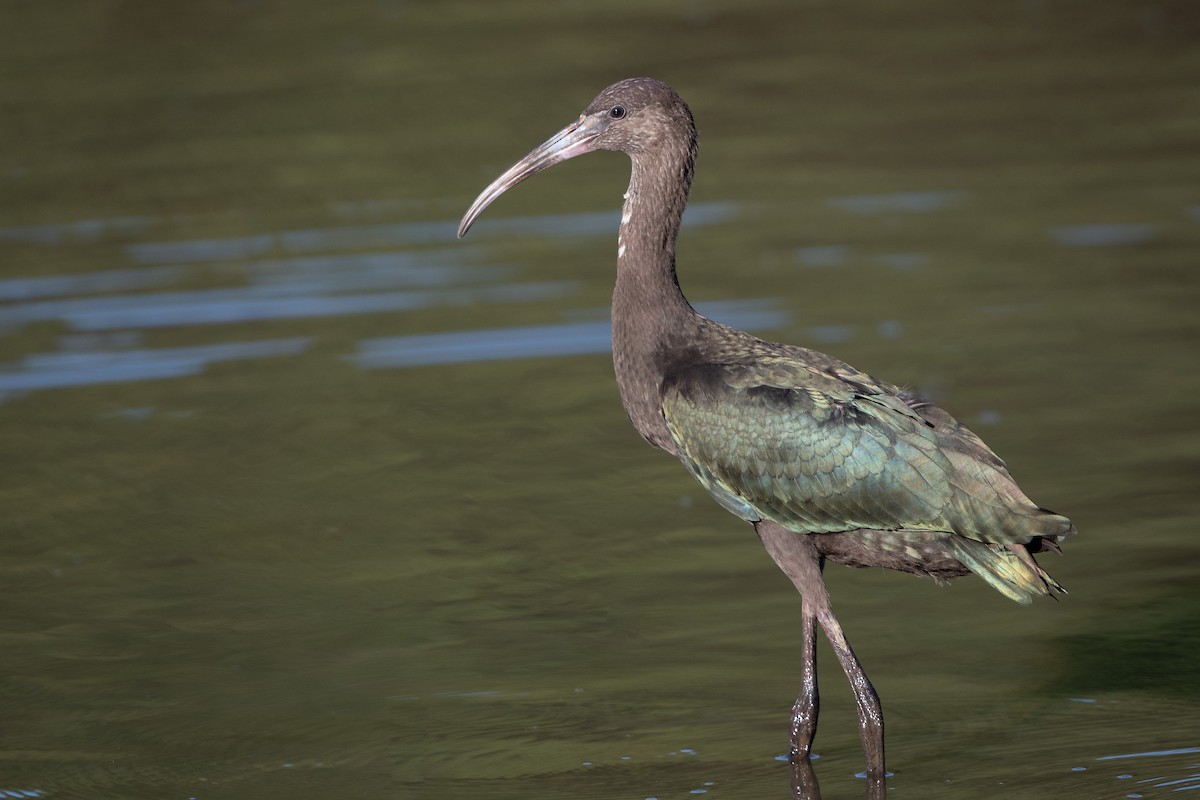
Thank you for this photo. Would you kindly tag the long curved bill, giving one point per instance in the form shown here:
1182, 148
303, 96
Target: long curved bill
576, 139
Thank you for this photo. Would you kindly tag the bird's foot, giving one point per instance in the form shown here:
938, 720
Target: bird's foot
802, 730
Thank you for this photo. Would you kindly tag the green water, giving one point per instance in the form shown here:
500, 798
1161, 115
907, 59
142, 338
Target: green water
266, 573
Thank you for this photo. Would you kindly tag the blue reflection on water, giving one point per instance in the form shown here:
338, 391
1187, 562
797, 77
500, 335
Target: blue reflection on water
837, 255
1105, 235
908, 202
402, 233
359, 271
85, 230
91, 283
289, 287
1181, 751
1165, 779
254, 303
337, 273
571, 338
229, 249
56, 370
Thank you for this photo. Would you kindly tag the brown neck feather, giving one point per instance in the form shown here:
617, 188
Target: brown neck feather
650, 315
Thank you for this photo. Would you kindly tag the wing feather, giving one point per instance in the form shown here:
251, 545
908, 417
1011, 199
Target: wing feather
820, 452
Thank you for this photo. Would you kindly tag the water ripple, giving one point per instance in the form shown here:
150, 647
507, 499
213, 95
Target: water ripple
90, 283
1104, 235
572, 338
256, 303
58, 370
1179, 751
85, 230
394, 234
908, 202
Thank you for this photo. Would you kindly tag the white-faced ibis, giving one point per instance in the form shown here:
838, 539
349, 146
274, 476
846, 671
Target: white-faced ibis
825, 461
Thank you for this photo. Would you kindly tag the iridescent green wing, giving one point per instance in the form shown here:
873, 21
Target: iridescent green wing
819, 447
823, 448
812, 450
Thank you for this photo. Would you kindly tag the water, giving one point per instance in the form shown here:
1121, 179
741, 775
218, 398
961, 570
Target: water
305, 498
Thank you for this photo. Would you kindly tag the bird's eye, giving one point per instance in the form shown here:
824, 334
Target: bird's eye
617, 112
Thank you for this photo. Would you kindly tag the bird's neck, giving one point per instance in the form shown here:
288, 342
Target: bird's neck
651, 317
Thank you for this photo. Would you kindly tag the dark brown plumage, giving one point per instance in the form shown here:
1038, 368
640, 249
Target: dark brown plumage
825, 461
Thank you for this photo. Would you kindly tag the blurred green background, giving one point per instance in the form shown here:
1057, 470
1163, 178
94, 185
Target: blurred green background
261, 540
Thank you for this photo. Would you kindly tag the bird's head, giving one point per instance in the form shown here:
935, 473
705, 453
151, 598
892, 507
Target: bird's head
636, 116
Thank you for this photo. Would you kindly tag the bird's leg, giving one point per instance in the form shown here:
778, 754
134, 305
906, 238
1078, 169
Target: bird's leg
797, 556
808, 700
870, 712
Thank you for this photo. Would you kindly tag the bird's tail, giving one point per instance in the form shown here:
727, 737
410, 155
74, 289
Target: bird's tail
1009, 569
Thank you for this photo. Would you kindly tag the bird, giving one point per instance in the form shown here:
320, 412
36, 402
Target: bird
826, 462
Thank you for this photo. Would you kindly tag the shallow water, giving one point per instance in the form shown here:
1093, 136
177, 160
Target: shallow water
306, 498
